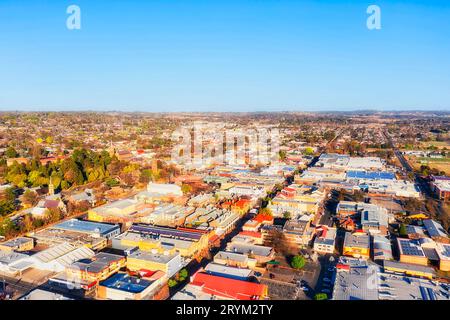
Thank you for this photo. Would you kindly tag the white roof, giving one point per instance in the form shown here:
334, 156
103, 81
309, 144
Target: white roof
39, 294
226, 270
63, 254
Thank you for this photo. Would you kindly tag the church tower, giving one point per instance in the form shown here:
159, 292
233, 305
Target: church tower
51, 188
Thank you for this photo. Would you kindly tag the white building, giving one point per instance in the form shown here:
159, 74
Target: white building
164, 189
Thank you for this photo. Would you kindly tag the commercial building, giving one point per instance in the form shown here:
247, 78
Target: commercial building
221, 270
382, 248
296, 200
95, 269
356, 245
227, 288
57, 258
261, 254
369, 283
298, 232
188, 242
374, 219
165, 189
14, 262
443, 252
409, 269
234, 259
440, 185
122, 286
169, 263
325, 240
167, 214
40, 295
124, 211
93, 229
17, 244
435, 230
78, 232
411, 252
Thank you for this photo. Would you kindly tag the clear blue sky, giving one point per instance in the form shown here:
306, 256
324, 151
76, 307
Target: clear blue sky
246, 55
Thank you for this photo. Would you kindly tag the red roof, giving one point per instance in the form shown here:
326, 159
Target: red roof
193, 230
242, 203
225, 175
51, 204
229, 288
342, 266
146, 272
262, 218
253, 234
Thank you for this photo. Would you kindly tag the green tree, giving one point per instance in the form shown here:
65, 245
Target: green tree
111, 182
172, 283
146, 176
265, 212
320, 296
308, 151
11, 153
298, 262
6, 207
7, 227
183, 274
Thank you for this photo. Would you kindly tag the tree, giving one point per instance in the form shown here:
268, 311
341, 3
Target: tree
172, 283
281, 244
185, 188
6, 207
30, 197
265, 212
111, 182
183, 274
321, 296
308, 151
7, 227
11, 153
286, 215
27, 223
53, 215
298, 262
146, 176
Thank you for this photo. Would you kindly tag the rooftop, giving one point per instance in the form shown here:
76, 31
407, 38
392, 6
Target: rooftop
154, 257
125, 282
86, 226
356, 241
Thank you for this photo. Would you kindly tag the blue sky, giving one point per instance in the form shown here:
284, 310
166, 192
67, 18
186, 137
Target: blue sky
246, 55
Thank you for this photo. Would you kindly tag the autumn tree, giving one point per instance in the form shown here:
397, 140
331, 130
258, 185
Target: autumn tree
30, 197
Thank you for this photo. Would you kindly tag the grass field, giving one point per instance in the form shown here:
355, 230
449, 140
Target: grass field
438, 164
438, 144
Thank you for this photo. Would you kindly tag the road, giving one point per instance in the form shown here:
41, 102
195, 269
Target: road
421, 182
